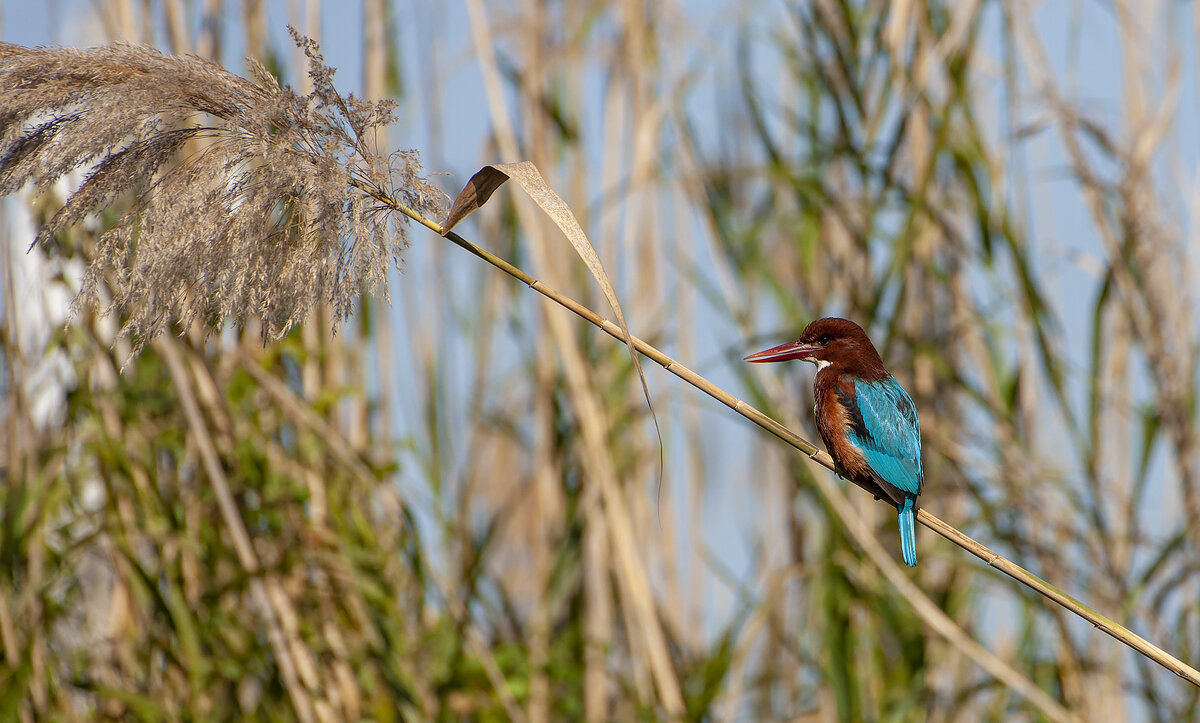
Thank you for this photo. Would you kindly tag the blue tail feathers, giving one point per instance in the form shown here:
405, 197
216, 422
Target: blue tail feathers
908, 532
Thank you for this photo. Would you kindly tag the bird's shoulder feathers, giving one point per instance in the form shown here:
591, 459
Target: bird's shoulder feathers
871, 429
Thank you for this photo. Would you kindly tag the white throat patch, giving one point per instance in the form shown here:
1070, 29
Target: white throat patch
820, 363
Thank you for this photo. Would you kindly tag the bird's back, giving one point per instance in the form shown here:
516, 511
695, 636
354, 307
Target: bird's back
871, 429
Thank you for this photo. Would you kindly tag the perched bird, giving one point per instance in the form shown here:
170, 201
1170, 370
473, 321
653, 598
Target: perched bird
867, 420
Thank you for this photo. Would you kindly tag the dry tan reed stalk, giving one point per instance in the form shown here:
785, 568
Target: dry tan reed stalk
925, 608
810, 450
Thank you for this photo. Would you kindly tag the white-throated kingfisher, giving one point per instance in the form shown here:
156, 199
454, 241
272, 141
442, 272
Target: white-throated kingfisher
866, 419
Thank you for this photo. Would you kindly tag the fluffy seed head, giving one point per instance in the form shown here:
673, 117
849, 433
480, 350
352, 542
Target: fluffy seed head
235, 198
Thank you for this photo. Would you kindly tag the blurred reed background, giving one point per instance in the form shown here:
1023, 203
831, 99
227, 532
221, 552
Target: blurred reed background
452, 503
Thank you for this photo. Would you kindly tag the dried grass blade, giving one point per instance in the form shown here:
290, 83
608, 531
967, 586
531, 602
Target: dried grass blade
481, 187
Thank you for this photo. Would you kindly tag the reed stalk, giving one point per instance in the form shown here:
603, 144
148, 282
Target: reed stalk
807, 448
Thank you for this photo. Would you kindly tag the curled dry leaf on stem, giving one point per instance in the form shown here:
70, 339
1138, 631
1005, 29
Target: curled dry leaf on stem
240, 198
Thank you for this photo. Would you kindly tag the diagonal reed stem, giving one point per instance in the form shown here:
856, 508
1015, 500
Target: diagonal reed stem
1001, 563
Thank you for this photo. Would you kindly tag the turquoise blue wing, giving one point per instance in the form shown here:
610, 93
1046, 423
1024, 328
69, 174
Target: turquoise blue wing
886, 430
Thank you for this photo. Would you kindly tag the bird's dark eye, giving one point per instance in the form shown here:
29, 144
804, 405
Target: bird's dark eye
823, 339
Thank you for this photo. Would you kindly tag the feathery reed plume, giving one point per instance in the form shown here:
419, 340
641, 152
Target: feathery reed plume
246, 198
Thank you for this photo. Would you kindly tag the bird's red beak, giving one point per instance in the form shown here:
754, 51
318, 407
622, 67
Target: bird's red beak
783, 352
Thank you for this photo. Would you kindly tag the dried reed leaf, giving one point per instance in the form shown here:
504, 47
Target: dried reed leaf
246, 199
481, 187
